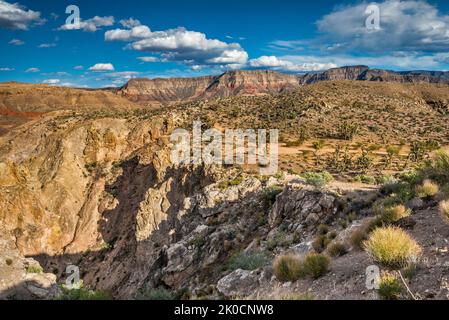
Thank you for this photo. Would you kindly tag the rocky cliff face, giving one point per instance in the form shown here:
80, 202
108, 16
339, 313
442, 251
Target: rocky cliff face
233, 83
364, 73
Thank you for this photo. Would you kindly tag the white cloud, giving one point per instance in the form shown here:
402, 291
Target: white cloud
47, 45
130, 23
15, 16
404, 26
32, 70
90, 25
51, 81
189, 47
101, 67
283, 64
78, 67
398, 60
7, 69
16, 42
148, 59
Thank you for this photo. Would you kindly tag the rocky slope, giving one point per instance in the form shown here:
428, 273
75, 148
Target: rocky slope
259, 82
97, 189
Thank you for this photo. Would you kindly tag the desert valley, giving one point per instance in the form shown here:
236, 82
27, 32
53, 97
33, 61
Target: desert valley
86, 180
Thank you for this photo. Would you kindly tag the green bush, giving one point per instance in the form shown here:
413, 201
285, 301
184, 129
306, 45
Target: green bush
271, 193
437, 168
34, 269
318, 180
248, 261
390, 288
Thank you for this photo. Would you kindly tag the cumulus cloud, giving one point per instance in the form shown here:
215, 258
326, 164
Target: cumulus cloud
404, 26
130, 23
90, 25
15, 16
16, 42
7, 69
32, 70
101, 67
280, 64
180, 44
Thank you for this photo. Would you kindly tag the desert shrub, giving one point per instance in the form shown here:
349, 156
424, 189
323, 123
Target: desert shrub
237, 181
337, 249
366, 179
395, 213
347, 131
358, 237
287, 268
392, 247
427, 189
279, 240
318, 179
34, 269
444, 209
320, 243
315, 265
390, 288
271, 193
248, 261
82, 293
437, 168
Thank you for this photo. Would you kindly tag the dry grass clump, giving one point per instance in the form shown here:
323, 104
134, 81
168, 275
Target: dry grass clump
392, 247
395, 213
337, 249
287, 268
291, 268
427, 190
444, 209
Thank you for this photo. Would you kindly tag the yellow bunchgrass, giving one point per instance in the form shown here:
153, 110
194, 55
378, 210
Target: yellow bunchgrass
444, 209
392, 247
428, 189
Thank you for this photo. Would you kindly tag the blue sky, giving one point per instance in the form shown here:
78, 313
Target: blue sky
118, 40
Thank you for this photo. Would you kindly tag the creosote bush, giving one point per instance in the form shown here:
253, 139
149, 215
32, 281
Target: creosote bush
392, 247
390, 288
427, 190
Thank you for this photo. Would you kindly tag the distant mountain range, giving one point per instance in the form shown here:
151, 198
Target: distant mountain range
260, 82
